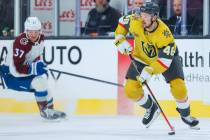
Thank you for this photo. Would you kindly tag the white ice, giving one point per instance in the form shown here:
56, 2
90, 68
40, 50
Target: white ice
32, 127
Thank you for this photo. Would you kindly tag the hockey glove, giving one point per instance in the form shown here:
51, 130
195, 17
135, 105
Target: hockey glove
37, 68
4, 69
122, 44
146, 74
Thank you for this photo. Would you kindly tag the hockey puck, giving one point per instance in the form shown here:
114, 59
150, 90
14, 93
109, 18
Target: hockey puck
171, 133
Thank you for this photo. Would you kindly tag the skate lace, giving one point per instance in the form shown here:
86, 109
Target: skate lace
147, 114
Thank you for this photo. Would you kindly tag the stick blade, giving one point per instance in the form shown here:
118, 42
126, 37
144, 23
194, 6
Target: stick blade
171, 133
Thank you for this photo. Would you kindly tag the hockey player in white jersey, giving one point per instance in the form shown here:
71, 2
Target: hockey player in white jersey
24, 69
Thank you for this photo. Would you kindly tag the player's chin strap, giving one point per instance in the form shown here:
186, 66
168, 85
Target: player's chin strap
172, 131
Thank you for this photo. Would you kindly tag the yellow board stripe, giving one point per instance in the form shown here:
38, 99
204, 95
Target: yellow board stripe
8, 105
109, 107
96, 107
100, 107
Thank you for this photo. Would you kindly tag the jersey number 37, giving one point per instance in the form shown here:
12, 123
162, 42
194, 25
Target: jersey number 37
18, 53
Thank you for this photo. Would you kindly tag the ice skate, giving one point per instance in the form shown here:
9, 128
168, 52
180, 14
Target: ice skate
150, 115
51, 114
191, 121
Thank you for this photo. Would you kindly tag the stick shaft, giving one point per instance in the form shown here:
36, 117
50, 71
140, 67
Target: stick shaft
85, 77
161, 110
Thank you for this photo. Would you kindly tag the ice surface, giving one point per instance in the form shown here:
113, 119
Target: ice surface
32, 127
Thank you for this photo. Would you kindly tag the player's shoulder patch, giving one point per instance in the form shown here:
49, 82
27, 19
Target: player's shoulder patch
164, 31
125, 19
24, 41
167, 33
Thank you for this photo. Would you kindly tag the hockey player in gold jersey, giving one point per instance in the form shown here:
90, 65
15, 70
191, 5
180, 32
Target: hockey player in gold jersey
155, 52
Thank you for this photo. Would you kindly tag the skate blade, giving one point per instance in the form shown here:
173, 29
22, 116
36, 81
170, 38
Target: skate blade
51, 120
157, 113
55, 120
195, 127
64, 119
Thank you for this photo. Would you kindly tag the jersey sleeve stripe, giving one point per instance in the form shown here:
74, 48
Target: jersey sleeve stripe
162, 64
122, 25
165, 61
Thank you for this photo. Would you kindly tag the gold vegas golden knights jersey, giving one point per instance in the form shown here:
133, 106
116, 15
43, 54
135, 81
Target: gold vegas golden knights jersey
155, 48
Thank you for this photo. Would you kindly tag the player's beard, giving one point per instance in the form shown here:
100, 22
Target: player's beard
101, 8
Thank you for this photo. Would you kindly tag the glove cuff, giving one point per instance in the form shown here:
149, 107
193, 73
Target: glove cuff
148, 69
32, 68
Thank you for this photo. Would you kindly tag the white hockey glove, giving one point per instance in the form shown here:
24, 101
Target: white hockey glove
125, 48
122, 44
36, 51
146, 74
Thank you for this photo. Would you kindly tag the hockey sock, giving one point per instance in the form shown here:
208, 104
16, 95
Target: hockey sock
145, 102
50, 104
183, 107
41, 99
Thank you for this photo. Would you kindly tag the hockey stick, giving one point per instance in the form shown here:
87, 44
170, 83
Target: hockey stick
172, 131
84, 77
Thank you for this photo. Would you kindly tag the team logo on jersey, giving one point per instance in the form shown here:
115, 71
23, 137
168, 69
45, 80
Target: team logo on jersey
24, 41
166, 33
149, 50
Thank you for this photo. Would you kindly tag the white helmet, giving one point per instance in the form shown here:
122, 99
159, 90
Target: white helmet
32, 23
